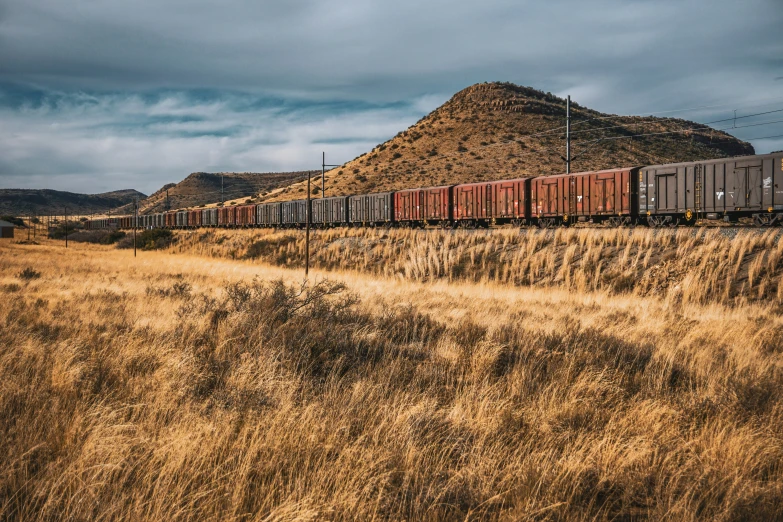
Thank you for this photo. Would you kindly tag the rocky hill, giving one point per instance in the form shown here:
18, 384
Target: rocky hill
500, 130
42, 202
204, 188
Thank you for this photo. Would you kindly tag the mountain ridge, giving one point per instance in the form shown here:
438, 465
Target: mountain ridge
500, 130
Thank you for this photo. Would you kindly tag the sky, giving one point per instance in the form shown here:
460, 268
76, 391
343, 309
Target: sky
100, 95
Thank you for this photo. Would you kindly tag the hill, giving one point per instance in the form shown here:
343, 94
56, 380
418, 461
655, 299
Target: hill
204, 188
41, 202
500, 130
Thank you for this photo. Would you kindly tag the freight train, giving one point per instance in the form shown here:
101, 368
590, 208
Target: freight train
656, 196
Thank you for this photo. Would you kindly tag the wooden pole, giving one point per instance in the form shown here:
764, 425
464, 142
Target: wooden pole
307, 230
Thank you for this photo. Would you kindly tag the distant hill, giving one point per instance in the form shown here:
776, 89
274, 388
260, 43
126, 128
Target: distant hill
204, 188
42, 202
500, 130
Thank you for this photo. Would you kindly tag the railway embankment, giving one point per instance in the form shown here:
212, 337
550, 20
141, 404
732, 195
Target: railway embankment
683, 266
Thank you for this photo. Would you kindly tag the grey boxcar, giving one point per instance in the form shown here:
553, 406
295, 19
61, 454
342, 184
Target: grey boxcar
268, 214
371, 208
294, 213
729, 188
330, 211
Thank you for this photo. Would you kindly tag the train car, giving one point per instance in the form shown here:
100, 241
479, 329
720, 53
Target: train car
492, 203
194, 218
170, 219
371, 209
227, 217
293, 213
423, 206
330, 212
727, 189
160, 220
181, 219
269, 214
209, 217
606, 196
246, 215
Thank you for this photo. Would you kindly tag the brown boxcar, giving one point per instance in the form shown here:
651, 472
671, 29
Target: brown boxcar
423, 206
246, 215
171, 219
194, 218
606, 195
729, 188
492, 202
227, 217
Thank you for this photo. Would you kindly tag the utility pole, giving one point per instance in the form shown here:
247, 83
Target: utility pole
323, 174
66, 227
568, 135
307, 230
135, 223
29, 224
222, 199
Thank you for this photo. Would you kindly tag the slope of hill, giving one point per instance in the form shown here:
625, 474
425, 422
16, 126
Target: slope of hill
40, 202
501, 130
204, 188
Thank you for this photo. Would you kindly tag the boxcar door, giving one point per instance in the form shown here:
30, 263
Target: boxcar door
666, 192
551, 198
739, 196
572, 196
488, 209
609, 195
754, 186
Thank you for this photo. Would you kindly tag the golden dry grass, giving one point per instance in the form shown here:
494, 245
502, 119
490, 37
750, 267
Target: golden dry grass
684, 266
174, 387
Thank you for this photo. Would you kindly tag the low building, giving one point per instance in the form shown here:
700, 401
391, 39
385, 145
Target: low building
6, 230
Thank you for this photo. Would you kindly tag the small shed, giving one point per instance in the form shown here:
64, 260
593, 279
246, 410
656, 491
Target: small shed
6, 230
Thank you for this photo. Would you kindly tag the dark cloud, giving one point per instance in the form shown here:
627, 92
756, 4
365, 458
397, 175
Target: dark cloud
256, 81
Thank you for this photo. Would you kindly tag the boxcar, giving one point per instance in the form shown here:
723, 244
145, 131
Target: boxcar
209, 217
371, 209
181, 219
492, 202
246, 215
268, 214
226, 216
170, 219
423, 206
729, 188
194, 218
294, 213
608, 196
330, 211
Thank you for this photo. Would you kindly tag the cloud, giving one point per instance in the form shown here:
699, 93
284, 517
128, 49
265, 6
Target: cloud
104, 142
113, 94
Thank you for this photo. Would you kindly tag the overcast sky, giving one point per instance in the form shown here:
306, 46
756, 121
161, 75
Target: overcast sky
99, 95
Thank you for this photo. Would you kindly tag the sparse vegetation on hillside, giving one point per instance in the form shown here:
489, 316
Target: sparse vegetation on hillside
495, 131
189, 388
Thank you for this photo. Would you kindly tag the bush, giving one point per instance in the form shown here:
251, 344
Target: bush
29, 274
102, 237
154, 239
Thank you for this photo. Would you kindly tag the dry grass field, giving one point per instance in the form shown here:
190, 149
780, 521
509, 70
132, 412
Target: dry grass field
187, 385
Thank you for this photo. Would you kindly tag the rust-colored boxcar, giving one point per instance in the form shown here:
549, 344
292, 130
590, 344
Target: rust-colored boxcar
227, 217
246, 215
371, 208
606, 195
498, 202
423, 206
330, 211
170, 219
194, 218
